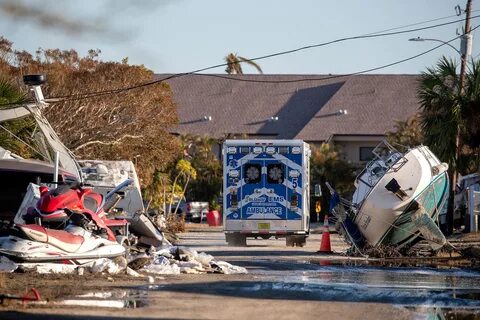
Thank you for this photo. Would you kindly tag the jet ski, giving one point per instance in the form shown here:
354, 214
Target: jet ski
83, 239
52, 208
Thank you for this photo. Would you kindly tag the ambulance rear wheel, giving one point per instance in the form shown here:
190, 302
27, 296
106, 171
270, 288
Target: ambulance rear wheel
236, 240
289, 241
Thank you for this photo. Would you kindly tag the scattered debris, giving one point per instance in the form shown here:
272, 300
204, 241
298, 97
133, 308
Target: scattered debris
30, 295
176, 260
166, 260
382, 252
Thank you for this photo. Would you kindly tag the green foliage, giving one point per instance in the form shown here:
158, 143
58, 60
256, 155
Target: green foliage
327, 166
9, 93
440, 104
447, 112
407, 133
471, 107
184, 168
23, 129
207, 186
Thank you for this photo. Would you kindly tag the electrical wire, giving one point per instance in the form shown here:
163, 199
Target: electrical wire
334, 76
372, 35
417, 23
113, 91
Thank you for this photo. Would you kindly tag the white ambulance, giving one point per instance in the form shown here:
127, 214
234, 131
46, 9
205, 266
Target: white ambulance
266, 190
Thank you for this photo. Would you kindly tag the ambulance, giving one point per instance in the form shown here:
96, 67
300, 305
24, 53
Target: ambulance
266, 190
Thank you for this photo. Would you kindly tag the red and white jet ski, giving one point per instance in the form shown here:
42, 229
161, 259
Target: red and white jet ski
82, 240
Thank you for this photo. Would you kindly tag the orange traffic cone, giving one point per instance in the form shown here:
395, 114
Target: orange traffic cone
325, 246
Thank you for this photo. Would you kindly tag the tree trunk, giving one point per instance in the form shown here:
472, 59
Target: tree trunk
172, 195
451, 203
183, 193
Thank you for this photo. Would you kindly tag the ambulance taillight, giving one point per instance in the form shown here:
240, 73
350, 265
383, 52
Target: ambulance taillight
293, 202
233, 198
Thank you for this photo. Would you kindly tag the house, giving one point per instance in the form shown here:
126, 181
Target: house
353, 112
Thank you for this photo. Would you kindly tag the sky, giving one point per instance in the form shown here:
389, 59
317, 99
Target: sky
173, 36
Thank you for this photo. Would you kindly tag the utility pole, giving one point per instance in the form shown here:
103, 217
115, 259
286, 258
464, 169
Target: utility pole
466, 43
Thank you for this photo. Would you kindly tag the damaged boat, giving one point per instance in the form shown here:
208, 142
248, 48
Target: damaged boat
83, 239
397, 200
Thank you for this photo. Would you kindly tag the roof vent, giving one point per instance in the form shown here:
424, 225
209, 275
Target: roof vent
273, 119
342, 111
207, 118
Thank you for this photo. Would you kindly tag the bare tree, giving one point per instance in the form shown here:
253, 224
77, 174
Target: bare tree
118, 125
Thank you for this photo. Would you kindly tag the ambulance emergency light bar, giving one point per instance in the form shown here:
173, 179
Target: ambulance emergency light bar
260, 149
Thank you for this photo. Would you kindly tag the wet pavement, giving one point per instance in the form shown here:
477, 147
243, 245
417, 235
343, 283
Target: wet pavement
286, 283
302, 274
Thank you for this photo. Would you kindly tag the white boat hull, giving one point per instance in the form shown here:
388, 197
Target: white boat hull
381, 214
21, 249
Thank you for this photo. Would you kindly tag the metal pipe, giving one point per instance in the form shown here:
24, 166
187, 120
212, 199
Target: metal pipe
55, 168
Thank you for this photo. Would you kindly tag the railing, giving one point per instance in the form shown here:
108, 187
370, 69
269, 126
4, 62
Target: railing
386, 158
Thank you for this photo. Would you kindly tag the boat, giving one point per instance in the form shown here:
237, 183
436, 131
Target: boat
26, 175
398, 198
84, 241
16, 174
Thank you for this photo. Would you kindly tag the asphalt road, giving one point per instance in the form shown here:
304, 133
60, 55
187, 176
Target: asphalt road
287, 283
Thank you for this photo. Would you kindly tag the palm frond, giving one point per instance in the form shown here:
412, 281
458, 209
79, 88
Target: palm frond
250, 62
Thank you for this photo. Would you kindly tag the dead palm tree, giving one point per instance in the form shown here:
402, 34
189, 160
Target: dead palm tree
234, 62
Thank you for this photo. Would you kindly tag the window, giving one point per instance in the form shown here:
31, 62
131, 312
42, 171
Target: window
366, 153
252, 173
275, 173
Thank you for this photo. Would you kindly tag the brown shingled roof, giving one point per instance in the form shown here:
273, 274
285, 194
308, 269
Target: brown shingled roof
306, 110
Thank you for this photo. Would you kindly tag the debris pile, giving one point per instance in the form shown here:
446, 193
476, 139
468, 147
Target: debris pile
88, 236
164, 261
382, 251
176, 260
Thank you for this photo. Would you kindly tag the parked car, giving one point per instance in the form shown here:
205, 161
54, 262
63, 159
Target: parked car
194, 211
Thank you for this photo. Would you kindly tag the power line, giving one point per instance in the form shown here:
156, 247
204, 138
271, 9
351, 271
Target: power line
320, 78
113, 91
334, 76
141, 85
417, 23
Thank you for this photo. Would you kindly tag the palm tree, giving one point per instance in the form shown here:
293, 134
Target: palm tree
441, 106
449, 117
234, 62
446, 112
471, 108
14, 132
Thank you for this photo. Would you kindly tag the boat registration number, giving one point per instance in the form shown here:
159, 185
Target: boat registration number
365, 221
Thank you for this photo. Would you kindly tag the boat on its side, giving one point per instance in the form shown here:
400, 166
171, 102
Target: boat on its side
398, 198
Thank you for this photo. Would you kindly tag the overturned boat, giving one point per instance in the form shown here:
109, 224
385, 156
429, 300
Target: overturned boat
398, 199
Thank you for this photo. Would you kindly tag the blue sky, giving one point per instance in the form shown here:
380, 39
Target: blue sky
171, 36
